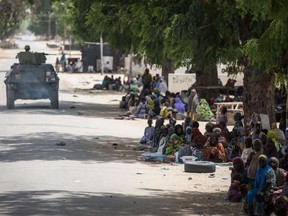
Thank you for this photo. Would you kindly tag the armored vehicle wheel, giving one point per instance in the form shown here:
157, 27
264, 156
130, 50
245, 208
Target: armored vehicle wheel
54, 100
10, 98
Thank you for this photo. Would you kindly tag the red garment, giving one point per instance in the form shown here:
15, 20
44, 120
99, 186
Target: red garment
217, 151
199, 136
195, 131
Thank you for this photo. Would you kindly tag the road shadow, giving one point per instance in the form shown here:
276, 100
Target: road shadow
61, 202
59, 146
68, 108
72, 107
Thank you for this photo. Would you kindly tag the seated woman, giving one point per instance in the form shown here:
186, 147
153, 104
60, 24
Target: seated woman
239, 169
198, 143
264, 182
270, 150
214, 151
131, 105
281, 206
105, 82
204, 112
276, 135
164, 112
163, 141
141, 109
158, 131
188, 135
179, 105
239, 173
150, 106
222, 118
281, 179
149, 134
187, 122
253, 161
173, 145
179, 131
234, 193
208, 129
279, 172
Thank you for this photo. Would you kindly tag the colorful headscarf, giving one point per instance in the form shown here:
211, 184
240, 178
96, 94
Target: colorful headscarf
199, 136
179, 105
252, 168
150, 103
260, 176
238, 160
260, 179
173, 145
262, 156
203, 110
272, 135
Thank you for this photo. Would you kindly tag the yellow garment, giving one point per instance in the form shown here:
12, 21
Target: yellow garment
272, 135
164, 112
262, 156
150, 104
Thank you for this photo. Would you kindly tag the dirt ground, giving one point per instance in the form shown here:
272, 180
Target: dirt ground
132, 188
196, 194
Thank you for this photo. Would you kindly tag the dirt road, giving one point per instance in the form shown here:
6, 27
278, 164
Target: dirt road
80, 160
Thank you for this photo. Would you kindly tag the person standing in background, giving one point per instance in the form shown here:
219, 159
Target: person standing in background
63, 62
57, 65
147, 79
193, 102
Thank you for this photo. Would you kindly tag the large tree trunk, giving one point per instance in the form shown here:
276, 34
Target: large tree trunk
207, 77
167, 68
116, 59
259, 93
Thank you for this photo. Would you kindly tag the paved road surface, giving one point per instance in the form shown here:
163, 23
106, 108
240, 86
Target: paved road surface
87, 175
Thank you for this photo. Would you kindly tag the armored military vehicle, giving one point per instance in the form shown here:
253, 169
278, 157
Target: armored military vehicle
32, 79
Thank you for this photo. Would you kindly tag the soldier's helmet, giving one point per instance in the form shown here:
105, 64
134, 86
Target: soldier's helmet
27, 48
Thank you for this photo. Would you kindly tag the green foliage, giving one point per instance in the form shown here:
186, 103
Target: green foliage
11, 15
269, 50
112, 20
39, 20
61, 13
191, 33
206, 32
79, 29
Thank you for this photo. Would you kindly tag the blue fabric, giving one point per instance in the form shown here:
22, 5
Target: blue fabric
259, 182
179, 105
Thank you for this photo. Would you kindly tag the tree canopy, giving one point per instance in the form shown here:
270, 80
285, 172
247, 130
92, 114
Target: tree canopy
270, 50
12, 14
249, 34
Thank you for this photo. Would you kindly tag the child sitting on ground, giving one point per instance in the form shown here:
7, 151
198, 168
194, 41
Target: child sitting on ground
234, 194
197, 150
164, 112
163, 140
188, 135
148, 134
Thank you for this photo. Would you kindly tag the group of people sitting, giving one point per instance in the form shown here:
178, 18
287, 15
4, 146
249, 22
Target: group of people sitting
176, 140
147, 105
259, 157
109, 83
153, 104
